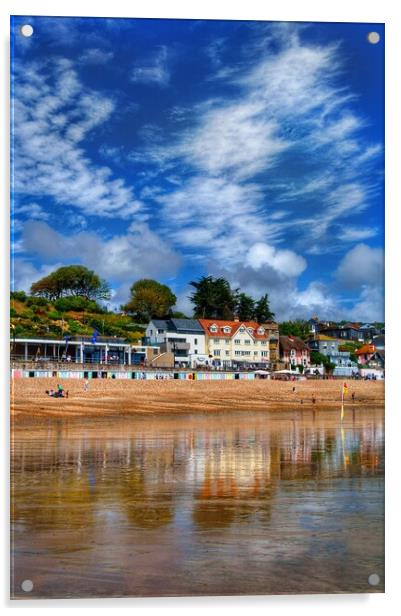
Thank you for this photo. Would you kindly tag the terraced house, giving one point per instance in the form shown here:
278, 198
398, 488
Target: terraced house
235, 344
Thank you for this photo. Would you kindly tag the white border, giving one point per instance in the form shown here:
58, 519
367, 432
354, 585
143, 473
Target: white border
285, 10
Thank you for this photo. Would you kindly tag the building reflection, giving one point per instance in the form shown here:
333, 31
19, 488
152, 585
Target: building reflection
139, 475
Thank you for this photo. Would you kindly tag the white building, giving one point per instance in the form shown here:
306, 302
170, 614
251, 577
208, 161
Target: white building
183, 337
234, 343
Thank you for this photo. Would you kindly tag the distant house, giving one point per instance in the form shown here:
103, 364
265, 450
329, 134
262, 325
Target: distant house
349, 331
294, 351
330, 347
272, 331
377, 360
184, 338
368, 330
365, 353
378, 341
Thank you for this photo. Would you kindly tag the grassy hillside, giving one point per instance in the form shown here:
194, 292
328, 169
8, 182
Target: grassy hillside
35, 316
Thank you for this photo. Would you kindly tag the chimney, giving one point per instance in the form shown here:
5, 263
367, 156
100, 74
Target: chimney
236, 318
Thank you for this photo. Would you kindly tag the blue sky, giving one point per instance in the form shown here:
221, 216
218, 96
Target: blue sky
175, 148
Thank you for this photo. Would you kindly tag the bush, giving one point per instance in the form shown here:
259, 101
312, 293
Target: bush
37, 301
18, 295
54, 315
27, 314
77, 303
13, 313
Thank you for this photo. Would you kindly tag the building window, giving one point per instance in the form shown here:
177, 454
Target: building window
237, 341
213, 328
242, 329
160, 331
217, 352
255, 352
227, 352
195, 341
261, 330
237, 353
227, 341
226, 329
263, 342
263, 353
247, 341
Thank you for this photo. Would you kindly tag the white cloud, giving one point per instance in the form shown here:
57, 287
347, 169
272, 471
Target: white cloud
139, 253
33, 211
362, 265
96, 56
237, 139
286, 262
356, 234
153, 70
54, 114
370, 305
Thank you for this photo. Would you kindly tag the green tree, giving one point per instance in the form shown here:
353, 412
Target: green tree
351, 347
213, 298
262, 310
150, 299
317, 358
297, 328
245, 308
72, 280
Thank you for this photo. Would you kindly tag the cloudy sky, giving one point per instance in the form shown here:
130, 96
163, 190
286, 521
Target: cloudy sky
171, 149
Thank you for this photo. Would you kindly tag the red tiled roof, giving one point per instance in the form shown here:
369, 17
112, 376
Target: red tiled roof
366, 349
235, 325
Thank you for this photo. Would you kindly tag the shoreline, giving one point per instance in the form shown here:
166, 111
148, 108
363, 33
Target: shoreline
118, 398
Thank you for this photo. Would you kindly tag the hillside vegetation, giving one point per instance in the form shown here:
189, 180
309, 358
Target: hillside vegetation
32, 316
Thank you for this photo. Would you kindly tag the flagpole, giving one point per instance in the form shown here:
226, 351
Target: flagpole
342, 402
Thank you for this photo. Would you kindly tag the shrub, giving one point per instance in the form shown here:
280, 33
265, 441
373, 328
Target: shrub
37, 301
77, 303
13, 313
19, 295
54, 315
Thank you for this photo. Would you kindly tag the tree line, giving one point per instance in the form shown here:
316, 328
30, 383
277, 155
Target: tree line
212, 298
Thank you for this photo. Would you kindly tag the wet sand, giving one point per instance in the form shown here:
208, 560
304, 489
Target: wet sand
114, 397
200, 504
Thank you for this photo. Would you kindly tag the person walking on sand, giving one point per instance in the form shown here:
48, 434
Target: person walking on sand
313, 399
86, 385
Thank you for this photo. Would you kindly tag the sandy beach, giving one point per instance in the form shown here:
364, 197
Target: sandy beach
106, 397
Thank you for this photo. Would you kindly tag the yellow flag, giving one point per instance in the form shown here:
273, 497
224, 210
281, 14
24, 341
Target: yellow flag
345, 388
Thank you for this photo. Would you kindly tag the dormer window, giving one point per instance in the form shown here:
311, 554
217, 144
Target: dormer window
214, 329
261, 330
226, 329
250, 329
242, 329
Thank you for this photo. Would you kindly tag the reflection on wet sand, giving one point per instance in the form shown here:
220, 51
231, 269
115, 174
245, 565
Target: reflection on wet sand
198, 504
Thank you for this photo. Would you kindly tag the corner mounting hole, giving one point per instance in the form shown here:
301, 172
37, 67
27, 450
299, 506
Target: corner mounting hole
27, 585
373, 37
26, 30
373, 579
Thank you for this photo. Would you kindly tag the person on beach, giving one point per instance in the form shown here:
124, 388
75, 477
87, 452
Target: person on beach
313, 399
59, 388
353, 396
86, 385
